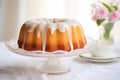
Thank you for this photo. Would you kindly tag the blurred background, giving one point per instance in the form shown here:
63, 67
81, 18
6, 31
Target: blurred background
13, 13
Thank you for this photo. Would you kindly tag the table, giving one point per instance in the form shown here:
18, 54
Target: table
25, 68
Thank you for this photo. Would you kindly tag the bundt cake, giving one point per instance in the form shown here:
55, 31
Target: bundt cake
51, 35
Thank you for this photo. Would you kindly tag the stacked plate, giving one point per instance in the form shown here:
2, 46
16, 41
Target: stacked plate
102, 54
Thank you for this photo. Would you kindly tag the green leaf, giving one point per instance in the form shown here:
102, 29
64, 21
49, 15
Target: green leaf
98, 22
107, 6
116, 8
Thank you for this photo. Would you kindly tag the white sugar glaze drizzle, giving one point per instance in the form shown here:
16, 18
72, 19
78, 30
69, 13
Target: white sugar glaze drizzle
42, 25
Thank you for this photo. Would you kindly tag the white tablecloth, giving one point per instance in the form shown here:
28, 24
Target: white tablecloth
24, 68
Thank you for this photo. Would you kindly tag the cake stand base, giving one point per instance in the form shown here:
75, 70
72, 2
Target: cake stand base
53, 66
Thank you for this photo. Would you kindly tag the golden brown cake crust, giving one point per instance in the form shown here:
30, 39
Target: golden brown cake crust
51, 35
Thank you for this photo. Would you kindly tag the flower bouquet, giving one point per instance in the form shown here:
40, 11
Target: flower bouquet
106, 14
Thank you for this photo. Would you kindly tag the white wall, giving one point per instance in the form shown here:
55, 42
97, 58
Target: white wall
8, 19
45, 8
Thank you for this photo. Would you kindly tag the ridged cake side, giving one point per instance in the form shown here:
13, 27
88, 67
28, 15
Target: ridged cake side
51, 35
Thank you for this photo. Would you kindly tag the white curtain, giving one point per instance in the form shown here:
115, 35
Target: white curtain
8, 19
13, 13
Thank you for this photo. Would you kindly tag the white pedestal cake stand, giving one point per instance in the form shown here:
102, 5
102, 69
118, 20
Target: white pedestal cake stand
52, 64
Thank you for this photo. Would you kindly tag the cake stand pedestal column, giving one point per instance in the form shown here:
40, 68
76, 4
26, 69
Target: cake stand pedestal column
53, 65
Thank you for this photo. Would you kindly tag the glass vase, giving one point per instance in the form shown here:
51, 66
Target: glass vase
105, 34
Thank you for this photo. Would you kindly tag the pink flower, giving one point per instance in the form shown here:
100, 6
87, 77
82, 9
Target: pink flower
100, 13
114, 16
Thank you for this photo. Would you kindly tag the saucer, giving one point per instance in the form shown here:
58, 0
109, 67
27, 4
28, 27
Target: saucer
104, 54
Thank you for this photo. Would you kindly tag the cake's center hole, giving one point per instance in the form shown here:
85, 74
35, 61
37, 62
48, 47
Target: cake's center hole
57, 21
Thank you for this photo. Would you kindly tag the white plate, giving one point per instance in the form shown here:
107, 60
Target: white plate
102, 53
98, 59
90, 57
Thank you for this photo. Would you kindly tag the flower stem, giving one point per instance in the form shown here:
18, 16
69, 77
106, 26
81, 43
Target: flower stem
108, 27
